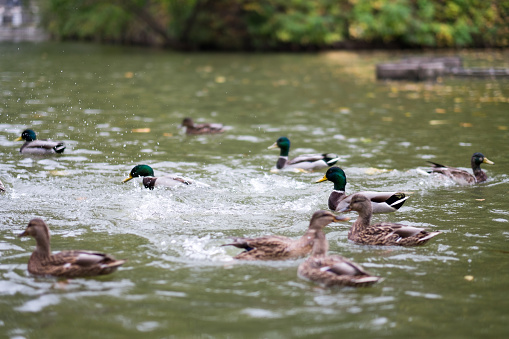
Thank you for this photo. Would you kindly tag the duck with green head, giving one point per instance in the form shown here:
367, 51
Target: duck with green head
463, 177
385, 233
33, 145
331, 270
381, 202
306, 162
149, 181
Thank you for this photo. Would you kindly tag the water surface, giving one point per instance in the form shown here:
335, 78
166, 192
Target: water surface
117, 107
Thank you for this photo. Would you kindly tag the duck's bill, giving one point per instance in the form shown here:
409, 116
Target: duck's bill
339, 218
487, 161
274, 145
321, 180
24, 234
127, 179
19, 139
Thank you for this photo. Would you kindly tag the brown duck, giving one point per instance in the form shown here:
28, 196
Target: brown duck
333, 270
463, 177
192, 128
385, 233
276, 247
68, 264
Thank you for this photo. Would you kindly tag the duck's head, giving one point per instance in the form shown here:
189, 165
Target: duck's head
140, 171
282, 143
36, 228
187, 122
479, 158
321, 218
27, 135
337, 176
358, 203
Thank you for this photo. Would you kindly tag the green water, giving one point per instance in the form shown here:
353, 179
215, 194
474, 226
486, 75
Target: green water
178, 281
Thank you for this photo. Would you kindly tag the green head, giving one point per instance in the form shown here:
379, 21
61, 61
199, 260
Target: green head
140, 171
283, 144
337, 176
27, 135
478, 159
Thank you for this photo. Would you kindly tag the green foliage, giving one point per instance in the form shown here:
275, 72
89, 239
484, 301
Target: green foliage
276, 24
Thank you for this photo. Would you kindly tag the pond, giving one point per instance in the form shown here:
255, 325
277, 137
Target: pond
115, 107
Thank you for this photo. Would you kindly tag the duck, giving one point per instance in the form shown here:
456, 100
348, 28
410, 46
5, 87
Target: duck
332, 270
389, 234
65, 264
34, 146
304, 162
2, 187
192, 128
463, 177
151, 182
276, 247
381, 202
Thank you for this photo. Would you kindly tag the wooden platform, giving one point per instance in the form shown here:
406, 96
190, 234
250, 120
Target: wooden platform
430, 68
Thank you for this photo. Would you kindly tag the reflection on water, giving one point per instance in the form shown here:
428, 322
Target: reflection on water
117, 107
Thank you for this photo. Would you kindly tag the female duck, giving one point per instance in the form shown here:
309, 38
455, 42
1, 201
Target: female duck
151, 182
192, 128
276, 247
462, 177
381, 202
306, 162
34, 146
332, 270
68, 264
385, 233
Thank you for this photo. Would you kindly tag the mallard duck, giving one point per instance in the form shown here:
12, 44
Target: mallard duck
463, 177
192, 128
333, 270
306, 162
276, 247
68, 264
385, 233
381, 202
34, 146
150, 182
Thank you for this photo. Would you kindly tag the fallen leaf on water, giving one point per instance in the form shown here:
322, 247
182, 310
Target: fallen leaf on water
408, 114
480, 199
59, 173
466, 124
439, 122
440, 110
503, 128
168, 134
389, 119
128, 75
220, 79
469, 277
141, 130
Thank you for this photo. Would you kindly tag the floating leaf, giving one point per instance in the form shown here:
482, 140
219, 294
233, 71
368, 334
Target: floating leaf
466, 124
141, 130
128, 75
480, 199
220, 79
469, 277
59, 173
439, 122
440, 110
388, 119
503, 128
168, 134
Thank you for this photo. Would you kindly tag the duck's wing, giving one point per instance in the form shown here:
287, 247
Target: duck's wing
456, 174
342, 266
306, 158
268, 241
381, 202
82, 258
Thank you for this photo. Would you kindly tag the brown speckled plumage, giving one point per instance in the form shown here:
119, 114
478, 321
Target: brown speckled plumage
391, 234
333, 270
68, 264
192, 128
463, 177
275, 247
